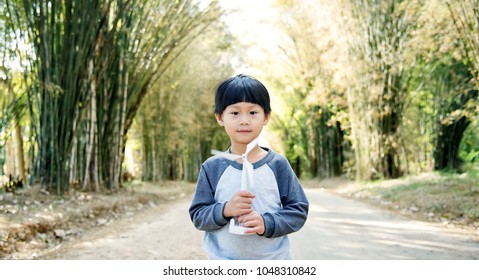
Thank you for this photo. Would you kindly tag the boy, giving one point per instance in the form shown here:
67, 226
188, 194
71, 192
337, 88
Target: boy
270, 209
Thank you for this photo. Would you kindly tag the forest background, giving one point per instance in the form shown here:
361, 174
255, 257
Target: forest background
97, 93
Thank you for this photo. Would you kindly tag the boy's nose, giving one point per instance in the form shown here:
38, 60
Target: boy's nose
244, 121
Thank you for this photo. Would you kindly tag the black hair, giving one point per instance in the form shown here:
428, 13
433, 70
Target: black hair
241, 88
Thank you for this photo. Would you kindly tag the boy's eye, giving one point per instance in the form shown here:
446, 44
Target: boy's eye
253, 113
234, 113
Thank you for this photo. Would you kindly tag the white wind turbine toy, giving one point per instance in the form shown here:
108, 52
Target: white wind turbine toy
247, 179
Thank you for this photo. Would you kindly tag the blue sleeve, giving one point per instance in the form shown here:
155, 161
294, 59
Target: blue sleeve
295, 205
205, 213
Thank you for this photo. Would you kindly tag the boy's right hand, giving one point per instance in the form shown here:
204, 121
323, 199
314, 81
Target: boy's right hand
239, 204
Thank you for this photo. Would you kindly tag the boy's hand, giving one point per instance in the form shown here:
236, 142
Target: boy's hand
239, 204
254, 221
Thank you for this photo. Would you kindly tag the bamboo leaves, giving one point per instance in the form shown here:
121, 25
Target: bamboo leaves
465, 15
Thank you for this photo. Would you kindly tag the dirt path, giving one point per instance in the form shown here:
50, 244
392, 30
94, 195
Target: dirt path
337, 228
164, 233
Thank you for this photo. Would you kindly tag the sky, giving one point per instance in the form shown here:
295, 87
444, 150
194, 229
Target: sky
251, 24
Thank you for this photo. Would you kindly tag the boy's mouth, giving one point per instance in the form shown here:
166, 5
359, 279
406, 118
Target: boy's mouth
244, 131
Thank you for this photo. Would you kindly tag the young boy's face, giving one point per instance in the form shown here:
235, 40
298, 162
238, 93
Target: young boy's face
243, 122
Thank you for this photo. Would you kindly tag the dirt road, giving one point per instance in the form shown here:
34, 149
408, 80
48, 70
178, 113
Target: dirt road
337, 228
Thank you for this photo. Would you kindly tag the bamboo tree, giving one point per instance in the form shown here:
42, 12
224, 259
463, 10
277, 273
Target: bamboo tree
64, 41
445, 82
169, 29
314, 139
11, 117
177, 121
383, 30
94, 61
12, 100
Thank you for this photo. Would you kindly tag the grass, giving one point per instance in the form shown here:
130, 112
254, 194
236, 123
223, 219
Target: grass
437, 197
452, 197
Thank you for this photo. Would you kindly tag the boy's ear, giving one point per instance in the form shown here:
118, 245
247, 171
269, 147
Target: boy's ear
219, 119
267, 117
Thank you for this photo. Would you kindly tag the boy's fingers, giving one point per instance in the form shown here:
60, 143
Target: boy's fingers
246, 193
253, 230
242, 199
248, 219
241, 218
250, 224
245, 211
243, 203
247, 200
244, 218
246, 204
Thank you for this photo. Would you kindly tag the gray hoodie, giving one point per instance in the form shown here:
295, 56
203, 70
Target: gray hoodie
279, 198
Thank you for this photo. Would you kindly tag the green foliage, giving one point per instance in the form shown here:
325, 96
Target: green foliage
465, 16
442, 195
92, 64
177, 124
381, 32
469, 148
308, 102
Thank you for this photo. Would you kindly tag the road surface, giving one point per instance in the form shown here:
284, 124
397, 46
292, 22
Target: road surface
337, 229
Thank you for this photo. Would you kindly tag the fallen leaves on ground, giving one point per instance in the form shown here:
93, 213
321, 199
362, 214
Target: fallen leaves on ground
32, 220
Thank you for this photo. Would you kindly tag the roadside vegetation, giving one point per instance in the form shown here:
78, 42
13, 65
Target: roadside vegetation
445, 198
34, 222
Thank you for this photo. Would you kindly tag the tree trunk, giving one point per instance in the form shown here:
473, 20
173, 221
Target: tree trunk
122, 135
447, 145
328, 145
20, 163
91, 128
9, 153
449, 135
115, 151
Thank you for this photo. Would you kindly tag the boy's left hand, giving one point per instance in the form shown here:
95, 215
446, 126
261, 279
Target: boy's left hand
254, 221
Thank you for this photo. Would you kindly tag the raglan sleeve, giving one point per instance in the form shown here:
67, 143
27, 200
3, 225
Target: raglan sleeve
205, 212
295, 206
